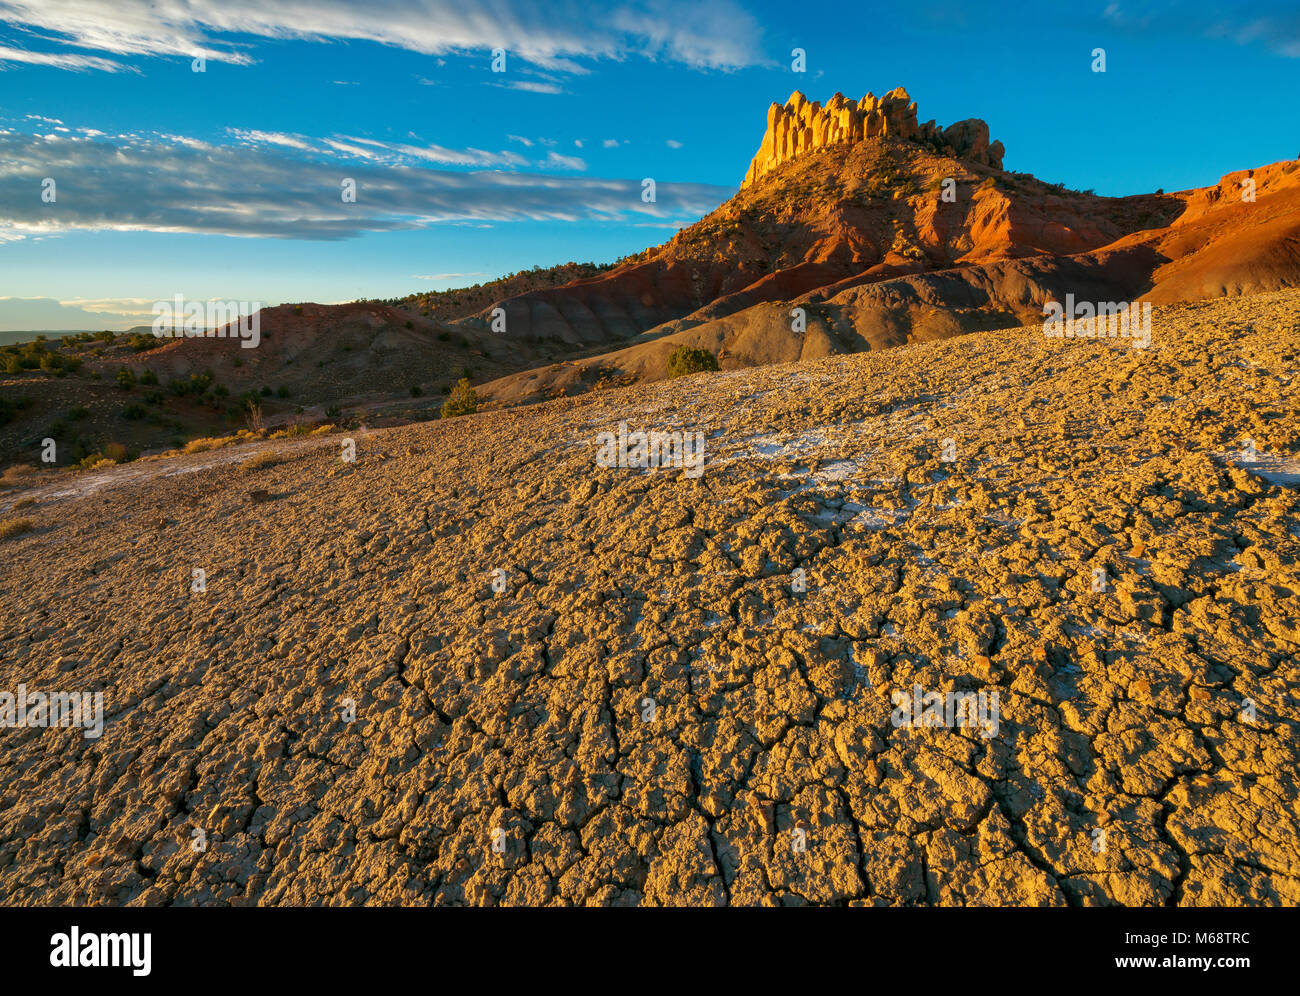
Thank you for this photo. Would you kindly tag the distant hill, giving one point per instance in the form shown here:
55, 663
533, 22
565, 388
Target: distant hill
460, 302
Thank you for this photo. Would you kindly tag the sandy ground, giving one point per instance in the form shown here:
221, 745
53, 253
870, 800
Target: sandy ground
476, 667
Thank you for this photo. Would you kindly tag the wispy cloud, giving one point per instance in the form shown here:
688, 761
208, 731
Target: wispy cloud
59, 60
270, 138
530, 86
717, 35
560, 161
273, 190
134, 307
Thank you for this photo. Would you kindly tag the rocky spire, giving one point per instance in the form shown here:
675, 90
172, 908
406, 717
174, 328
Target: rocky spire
801, 125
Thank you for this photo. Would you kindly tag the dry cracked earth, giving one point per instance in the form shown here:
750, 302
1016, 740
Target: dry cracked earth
649, 710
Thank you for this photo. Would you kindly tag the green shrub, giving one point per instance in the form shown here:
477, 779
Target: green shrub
126, 379
197, 384
281, 391
148, 377
133, 411
416, 391
688, 360
463, 400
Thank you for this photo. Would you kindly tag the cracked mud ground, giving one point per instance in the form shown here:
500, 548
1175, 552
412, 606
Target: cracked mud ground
1147, 745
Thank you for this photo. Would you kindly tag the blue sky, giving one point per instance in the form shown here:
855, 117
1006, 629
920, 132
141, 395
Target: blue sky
226, 183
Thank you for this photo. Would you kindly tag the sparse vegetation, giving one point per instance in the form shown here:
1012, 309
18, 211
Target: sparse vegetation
17, 474
688, 360
15, 527
9, 409
460, 302
462, 401
267, 458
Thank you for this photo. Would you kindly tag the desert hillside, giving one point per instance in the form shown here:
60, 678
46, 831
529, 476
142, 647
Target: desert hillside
881, 231
475, 666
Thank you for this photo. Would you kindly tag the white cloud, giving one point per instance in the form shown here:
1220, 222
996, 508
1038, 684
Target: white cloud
717, 35
672, 143
271, 190
59, 60
271, 138
560, 161
399, 153
531, 86
610, 143
129, 306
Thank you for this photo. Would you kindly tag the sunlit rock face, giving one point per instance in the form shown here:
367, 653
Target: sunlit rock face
801, 126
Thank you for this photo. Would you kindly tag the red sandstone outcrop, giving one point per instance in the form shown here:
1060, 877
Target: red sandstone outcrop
801, 126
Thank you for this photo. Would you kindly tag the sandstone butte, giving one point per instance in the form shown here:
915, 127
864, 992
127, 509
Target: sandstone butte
801, 125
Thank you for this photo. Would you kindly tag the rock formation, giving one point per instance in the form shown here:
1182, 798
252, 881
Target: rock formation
801, 126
